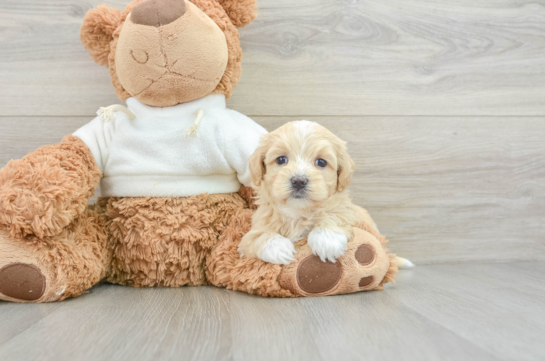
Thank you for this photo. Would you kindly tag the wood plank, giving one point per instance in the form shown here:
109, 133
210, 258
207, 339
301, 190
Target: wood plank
438, 312
310, 57
442, 189
16, 318
365, 326
22, 135
124, 323
480, 303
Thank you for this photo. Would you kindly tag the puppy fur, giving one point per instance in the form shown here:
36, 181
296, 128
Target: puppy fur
301, 198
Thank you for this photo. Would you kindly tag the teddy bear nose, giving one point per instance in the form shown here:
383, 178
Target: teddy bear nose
157, 12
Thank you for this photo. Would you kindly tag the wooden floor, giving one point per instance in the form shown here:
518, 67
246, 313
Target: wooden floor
437, 312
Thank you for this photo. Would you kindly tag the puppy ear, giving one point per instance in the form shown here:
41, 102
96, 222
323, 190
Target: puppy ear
241, 12
97, 30
345, 169
257, 165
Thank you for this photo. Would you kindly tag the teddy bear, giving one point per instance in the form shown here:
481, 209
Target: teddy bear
173, 170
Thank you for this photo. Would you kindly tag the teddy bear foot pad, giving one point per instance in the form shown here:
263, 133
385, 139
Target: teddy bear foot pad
20, 281
361, 268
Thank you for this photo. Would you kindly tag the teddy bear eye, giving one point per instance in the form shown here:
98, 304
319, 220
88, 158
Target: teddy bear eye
281, 160
140, 56
321, 162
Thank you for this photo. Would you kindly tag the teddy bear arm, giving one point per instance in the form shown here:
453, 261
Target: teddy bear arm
44, 191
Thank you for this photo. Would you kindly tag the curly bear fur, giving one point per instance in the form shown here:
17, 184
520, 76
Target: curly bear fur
60, 247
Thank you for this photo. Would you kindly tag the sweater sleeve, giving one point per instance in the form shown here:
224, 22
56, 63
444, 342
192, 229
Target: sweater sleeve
97, 135
241, 138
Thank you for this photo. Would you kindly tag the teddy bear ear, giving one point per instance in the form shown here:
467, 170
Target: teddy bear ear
97, 30
241, 12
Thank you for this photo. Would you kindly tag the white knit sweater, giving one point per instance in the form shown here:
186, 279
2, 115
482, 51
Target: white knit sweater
152, 155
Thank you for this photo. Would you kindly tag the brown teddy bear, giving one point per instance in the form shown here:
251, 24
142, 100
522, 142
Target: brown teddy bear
170, 164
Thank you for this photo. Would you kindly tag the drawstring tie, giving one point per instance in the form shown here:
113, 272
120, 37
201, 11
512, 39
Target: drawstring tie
191, 132
107, 114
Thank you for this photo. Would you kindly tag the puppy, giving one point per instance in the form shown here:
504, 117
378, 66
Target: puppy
300, 172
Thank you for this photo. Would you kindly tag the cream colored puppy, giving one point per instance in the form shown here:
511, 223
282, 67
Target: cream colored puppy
300, 172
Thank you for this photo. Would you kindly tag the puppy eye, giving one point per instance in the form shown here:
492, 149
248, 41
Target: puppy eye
321, 162
281, 160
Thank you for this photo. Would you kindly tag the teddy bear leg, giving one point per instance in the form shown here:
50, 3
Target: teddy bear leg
225, 268
54, 268
365, 266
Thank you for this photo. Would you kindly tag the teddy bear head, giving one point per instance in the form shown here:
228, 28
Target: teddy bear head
166, 52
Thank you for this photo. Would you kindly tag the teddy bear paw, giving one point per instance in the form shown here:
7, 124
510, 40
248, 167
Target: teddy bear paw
22, 282
362, 267
24, 275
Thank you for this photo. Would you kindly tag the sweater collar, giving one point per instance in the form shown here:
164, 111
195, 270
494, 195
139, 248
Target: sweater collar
213, 101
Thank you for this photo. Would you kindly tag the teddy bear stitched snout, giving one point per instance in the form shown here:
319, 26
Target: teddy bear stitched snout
157, 12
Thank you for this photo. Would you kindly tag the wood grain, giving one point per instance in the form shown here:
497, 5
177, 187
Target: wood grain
486, 305
440, 312
341, 328
442, 189
310, 57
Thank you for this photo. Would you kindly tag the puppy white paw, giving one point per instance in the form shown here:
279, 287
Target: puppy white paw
327, 244
278, 250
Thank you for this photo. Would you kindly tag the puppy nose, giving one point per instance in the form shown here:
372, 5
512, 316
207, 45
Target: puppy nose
157, 12
298, 182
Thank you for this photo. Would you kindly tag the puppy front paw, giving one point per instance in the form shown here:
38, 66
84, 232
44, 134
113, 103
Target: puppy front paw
327, 244
278, 250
